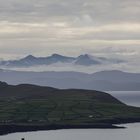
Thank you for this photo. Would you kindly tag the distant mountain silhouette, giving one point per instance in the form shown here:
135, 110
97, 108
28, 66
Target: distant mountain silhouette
84, 60
104, 80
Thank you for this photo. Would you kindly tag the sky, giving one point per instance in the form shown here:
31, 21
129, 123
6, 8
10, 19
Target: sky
108, 28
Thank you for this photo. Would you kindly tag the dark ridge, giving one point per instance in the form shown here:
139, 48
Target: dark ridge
30, 108
7, 129
3, 84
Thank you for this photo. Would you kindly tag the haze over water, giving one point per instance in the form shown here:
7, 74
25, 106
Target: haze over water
128, 97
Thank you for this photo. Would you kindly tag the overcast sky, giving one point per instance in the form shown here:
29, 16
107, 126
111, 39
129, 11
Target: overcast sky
70, 27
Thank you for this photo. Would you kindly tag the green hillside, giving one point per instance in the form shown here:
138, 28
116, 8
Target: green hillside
35, 105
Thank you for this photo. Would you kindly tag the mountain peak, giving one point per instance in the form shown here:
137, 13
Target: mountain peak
30, 57
56, 55
61, 58
84, 56
86, 60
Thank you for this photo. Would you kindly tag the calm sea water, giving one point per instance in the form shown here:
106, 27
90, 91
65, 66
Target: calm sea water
131, 133
128, 97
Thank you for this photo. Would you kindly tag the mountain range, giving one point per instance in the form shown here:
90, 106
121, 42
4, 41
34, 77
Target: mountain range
84, 60
104, 81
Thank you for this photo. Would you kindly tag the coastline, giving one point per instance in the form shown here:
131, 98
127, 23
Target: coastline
14, 128
6, 129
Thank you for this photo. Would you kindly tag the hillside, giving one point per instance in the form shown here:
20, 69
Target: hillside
42, 108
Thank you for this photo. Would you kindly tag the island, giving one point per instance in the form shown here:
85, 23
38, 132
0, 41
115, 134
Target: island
25, 108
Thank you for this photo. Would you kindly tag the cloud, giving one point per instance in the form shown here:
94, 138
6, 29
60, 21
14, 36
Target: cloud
70, 27
62, 30
104, 10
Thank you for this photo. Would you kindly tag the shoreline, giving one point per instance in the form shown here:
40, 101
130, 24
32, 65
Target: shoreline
6, 129
14, 128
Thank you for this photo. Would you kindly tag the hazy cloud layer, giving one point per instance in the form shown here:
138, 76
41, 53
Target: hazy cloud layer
41, 27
